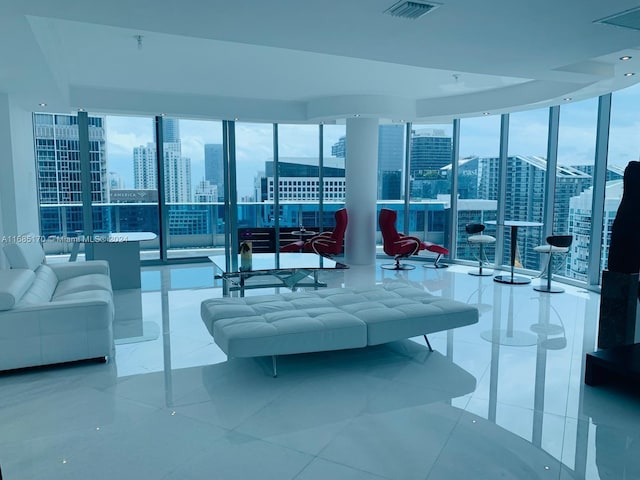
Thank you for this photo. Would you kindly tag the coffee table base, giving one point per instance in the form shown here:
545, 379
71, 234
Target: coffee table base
512, 280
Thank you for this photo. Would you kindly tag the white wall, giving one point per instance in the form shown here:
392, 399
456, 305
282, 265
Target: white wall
18, 191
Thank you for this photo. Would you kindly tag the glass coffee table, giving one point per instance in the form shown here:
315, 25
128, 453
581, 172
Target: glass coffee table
270, 270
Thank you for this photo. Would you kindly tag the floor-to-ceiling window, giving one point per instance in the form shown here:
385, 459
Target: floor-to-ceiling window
124, 195
429, 181
298, 160
123, 163
624, 147
133, 179
194, 185
526, 169
333, 172
478, 177
256, 188
391, 170
57, 155
576, 161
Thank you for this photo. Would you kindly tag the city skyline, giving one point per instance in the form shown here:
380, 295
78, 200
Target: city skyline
57, 151
478, 139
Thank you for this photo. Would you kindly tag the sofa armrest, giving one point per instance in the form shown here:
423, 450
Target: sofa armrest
65, 271
61, 308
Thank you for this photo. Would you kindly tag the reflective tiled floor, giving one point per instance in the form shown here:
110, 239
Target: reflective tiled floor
502, 399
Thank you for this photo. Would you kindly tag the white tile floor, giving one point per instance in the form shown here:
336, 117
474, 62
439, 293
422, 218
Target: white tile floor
477, 407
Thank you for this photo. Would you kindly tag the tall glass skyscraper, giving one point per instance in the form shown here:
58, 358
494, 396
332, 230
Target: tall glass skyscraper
213, 168
430, 151
58, 159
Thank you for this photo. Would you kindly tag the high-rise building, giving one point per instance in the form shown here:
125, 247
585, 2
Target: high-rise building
339, 149
58, 159
468, 175
299, 183
145, 173
170, 130
614, 172
524, 198
177, 174
390, 161
580, 227
177, 171
115, 181
206, 192
299, 179
430, 151
390, 147
213, 168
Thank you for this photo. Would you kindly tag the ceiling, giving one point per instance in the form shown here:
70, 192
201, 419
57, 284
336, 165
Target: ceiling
293, 61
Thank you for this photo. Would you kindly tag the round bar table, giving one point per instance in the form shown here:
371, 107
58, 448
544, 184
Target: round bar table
512, 279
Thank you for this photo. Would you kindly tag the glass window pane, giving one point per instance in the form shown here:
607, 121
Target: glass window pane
133, 180
58, 171
576, 151
194, 186
526, 169
299, 175
429, 182
478, 176
255, 183
391, 162
624, 147
334, 152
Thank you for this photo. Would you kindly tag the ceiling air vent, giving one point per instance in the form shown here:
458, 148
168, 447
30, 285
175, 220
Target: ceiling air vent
626, 19
411, 9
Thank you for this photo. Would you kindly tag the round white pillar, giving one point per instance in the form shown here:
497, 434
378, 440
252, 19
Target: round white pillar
361, 178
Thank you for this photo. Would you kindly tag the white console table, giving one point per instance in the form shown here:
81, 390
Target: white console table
122, 251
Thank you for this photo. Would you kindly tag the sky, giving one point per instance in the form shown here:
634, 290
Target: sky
478, 136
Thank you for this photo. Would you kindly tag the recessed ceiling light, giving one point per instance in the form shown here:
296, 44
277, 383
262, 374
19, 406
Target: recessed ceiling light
356, 114
42, 104
629, 74
162, 114
485, 113
625, 57
235, 119
81, 109
567, 99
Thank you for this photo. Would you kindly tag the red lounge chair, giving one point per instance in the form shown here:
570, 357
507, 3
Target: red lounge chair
400, 246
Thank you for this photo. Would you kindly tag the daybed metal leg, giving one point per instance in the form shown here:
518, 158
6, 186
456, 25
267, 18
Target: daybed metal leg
428, 344
275, 371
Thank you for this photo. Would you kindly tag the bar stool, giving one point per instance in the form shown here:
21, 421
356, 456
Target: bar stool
555, 244
474, 230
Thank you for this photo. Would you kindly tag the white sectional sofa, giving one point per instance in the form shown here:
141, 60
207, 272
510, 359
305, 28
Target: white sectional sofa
53, 313
329, 319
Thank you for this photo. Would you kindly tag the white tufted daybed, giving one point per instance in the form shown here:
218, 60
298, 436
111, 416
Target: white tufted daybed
53, 313
328, 319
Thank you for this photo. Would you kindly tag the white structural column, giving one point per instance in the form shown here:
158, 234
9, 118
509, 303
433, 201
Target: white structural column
361, 190
18, 190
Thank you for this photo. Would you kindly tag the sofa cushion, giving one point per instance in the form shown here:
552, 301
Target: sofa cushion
42, 287
94, 281
267, 325
13, 285
25, 254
